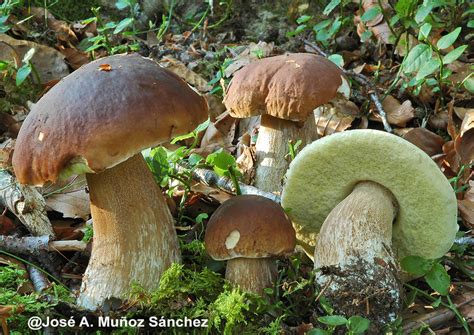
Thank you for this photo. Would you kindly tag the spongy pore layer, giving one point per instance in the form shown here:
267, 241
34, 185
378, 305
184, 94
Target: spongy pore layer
326, 171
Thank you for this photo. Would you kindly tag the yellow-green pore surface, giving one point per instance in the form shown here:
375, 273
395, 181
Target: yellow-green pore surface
325, 172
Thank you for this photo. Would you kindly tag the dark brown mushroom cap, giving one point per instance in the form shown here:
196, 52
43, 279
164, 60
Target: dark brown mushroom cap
249, 226
102, 114
288, 87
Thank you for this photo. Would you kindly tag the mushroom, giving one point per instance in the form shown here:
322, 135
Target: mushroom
284, 90
96, 121
373, 198
248, 231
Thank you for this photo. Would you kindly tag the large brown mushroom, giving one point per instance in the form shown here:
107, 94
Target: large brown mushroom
284, 90
248, 231
96, 121
366, 199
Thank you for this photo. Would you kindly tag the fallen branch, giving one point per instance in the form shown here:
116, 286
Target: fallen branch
433, 319
34, 245
363, 80
26, 203
210, 178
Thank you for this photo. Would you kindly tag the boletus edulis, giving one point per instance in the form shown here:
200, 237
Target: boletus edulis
285, 90
249, 231
366, 199
96, 121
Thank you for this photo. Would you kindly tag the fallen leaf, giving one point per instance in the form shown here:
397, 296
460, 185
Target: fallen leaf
466, 209
426, 140
69, 197
191, 77
335, 117
464, 143
74, 57
246, 163
105, 67
7, 227
48, 62
6, 153
249, 54
397, 114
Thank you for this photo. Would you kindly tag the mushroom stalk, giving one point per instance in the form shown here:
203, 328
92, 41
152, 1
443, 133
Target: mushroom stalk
134, 236
252, 274
353, 251
272, 147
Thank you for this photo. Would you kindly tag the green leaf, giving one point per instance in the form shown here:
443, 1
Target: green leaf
424, 31
371, 14
337, 59
333, 320
417, 56
195, 159
203, 126
330, 7
455, 54
303, 19
428, 68
122, 4
221, 162
89, 20
358, 324
22, 73
201, 217
403, 7
321, 25
422, 13
366, 35
416, 265
318, 331
438, 279
447, 40
470, 24
122, 25
297, 31
469, 84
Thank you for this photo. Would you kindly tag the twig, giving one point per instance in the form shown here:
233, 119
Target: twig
362, 80
433, 319
26, 203
464, 240
35, 244
210, 178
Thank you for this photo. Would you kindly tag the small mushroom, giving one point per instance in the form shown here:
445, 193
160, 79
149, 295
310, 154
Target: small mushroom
374, 199
284, 90
248, 231
96, 121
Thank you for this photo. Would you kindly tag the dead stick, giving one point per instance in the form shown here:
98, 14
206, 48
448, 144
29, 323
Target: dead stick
433, 319
363, 80
210, 178
35, 244
26, 203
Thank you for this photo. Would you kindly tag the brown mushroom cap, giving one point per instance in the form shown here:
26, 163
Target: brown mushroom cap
249, 226
288, 87
102, 114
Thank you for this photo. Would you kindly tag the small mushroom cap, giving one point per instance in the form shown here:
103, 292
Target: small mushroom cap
249, 226
326, 171
288, 87
102, 114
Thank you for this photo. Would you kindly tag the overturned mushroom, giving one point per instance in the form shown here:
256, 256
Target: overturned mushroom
285, 90
96, 121
247, 231
373, 198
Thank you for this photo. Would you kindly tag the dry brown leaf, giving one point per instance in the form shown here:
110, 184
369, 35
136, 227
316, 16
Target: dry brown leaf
250, 54
216, 107
211, 192
6, 153
105, 67
426, 140
219, 134
377, 25
336, 118
69, 197
464, 143
451, 160
246, 163
191, 77
47, 61
74, 57
466, 209
397, 114
439, 120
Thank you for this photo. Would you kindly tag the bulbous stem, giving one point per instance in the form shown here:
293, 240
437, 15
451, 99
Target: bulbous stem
272, 147
359, 273
134, 235
252, 274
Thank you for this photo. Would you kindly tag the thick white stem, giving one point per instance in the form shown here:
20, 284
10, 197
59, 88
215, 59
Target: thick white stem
252, 274
134, 235
359, 273
272, 147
